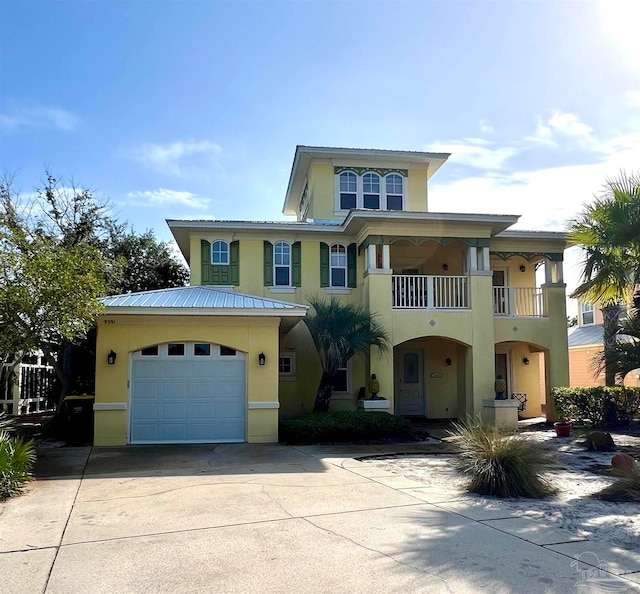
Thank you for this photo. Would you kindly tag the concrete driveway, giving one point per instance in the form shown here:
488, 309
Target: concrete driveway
267, 518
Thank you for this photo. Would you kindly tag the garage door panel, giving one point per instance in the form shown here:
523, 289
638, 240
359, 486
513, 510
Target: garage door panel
175, 367
173, 432
145, 411
147, 431
200, 411
183, 399
228, 431
173, 411
146, 369
200, 389
173, 389
229, 409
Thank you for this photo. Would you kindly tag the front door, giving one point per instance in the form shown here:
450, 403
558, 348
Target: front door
409, 388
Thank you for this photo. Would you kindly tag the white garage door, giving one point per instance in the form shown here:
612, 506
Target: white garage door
187, 393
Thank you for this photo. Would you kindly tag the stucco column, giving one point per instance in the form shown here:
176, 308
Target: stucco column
480, 361
557, 363
371, 257
386, 257
377, 293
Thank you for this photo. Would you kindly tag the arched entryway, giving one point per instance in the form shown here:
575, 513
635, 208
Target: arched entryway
429, 378
522, 366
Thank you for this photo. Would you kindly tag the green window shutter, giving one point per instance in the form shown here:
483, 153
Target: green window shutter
351, 265
324, 265
268, 264
296, 264
205, 267
234, 263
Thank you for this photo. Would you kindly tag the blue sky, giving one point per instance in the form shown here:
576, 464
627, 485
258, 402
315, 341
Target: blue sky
193, 109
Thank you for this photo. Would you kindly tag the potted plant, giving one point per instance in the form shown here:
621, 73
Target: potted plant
563, 428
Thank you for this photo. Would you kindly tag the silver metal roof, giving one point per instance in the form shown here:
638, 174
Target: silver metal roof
198, 298
591, 334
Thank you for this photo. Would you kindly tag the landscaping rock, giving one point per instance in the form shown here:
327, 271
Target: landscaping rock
600, 441
624, 463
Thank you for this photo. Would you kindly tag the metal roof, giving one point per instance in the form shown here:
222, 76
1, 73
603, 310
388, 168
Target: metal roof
591, 334
202, 300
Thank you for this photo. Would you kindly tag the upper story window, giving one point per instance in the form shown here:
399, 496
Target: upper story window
348, 190
338, 265
394, 191
220, 252
586, 313
371, 190
282, 264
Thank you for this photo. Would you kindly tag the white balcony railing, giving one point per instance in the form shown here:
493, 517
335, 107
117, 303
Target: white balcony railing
518, 301
429, 292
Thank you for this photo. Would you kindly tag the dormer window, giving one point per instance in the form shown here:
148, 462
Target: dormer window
220, 253
586, 313
394, 192
348, 190
371, 190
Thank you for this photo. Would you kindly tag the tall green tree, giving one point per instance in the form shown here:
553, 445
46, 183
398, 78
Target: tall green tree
608, 230
340, 331
144, 262
50, 282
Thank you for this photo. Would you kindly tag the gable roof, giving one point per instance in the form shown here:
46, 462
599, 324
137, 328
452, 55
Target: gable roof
199, 300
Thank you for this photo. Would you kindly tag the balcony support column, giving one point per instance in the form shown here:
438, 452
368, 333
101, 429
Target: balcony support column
386, 257
371, 258
557, 360
480, 359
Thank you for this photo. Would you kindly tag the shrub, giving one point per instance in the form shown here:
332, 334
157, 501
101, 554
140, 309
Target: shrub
598, 405
328, 427
17, 458
625, 489
500, 464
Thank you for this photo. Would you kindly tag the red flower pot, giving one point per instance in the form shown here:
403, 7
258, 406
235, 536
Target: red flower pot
563, 429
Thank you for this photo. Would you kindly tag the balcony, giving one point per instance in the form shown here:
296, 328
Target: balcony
518, 302
429, 292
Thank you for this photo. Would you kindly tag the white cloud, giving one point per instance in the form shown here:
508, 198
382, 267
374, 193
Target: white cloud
38, 116
164, 196
486, 127
561, 127
176, 157
475, 152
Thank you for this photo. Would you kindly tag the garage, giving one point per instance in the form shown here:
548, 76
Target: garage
187, 392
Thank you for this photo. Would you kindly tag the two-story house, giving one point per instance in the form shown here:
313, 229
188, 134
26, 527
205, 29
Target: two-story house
224, 359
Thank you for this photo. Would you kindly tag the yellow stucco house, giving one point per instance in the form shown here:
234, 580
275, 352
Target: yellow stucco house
227, 357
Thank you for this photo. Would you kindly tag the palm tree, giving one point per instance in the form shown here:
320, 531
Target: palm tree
339, 331
609, 232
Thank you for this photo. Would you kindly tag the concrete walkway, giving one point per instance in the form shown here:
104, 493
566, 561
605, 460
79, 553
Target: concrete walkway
270, 518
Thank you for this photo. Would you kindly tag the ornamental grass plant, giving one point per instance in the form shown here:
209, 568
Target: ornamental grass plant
17, 458
501, 464
626, 488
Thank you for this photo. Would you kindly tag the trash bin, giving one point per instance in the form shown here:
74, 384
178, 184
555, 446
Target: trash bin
79, 414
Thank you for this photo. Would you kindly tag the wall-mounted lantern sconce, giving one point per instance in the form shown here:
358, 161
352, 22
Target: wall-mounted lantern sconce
445, 266
262, 359
448, 361
522, 267
111, 358
525, 361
